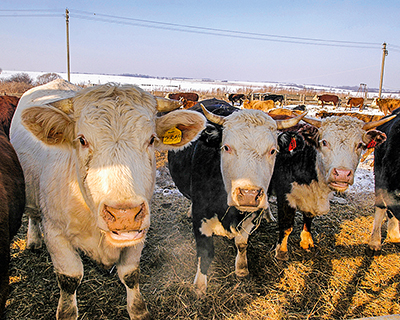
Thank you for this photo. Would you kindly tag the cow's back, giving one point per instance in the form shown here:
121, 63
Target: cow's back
8, 104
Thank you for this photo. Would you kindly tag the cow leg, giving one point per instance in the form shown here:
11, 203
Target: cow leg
393, 233
69, 271
34, 235
241, 267
205, 255
285, 225
128, 272
306, 241
376, 237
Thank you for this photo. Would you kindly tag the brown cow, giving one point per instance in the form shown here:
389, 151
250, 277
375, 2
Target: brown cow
191, 96
187, 103
259, 105
328, 98
12, 204
355, 102
7, 108
387, 105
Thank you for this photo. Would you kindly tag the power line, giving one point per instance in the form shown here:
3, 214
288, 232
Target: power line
220, 32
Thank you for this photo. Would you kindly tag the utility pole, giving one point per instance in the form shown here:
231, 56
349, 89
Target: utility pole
385, 53
68, 63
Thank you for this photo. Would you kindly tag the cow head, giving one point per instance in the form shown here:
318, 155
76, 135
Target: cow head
109, 134
340, 141
248, 150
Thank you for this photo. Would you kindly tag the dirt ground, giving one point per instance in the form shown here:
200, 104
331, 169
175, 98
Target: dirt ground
339, 279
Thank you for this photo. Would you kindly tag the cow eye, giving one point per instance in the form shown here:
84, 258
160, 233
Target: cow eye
83, 141
226, 148
324, 143
152, 139
272, 151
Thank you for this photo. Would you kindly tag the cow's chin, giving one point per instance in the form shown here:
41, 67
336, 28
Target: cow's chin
338, 186
125, 238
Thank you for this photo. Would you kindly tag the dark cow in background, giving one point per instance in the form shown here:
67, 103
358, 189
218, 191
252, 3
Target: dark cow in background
277, 98
190, 96
12, 203
7, 109
226, 174
327, 99
312, 163
236, 98
355, 102
387, 184
387, 105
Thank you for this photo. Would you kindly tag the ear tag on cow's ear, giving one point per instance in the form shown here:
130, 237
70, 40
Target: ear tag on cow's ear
292, 144
172, 136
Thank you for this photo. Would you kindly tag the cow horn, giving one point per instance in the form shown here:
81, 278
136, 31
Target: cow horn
315, 122
213, 117
165, 105
374, 124
283, 124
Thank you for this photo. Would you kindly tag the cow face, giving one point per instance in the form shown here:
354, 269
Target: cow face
340, 141
110, 133
248, 151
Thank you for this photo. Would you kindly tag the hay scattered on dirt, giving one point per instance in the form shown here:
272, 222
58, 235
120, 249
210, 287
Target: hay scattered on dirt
339, 279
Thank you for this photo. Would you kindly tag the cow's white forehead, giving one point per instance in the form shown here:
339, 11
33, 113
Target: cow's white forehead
344, 125
110, 96
249, 118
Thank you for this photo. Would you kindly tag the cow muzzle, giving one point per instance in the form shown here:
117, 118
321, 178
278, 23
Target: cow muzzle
249, 199
125, 223
340, 179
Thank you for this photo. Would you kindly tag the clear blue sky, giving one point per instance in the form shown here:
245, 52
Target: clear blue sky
100, 43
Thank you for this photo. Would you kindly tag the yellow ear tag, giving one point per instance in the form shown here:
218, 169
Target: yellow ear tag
172, 136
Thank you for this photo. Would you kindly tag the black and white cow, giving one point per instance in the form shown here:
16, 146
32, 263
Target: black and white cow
387, 184
226, 174
312, 163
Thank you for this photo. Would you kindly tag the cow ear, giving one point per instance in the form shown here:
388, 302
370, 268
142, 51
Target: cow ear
50, 125
373, 138
310, 134
177, 129
290, 142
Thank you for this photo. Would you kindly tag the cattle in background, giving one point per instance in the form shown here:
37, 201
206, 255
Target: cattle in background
12, 204
327, 99
7, 109
190, 96
387, 184
355, 102
259, 105
226, 174
187, 104
89, 163
387, 105
236, 98
279, 98
313, 162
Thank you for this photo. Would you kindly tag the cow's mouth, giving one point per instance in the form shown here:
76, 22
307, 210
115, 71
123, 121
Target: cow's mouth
338, 186
133, 235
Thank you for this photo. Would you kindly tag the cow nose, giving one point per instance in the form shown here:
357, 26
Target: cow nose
249, 197
124, 219
342, 175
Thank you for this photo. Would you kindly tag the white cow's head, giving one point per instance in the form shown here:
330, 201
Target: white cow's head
248, 152
340, 141
111, 133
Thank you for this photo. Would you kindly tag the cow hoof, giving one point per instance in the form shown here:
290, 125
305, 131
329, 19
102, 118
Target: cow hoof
282, 255
34, 245
242, 273
375, 246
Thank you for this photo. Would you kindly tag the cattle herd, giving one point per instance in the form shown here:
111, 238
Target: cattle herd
81, 164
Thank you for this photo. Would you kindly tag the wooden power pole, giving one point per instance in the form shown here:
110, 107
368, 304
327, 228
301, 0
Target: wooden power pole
68, 62
385, 53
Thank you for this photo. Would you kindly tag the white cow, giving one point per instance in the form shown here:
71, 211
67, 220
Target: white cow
88, 158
